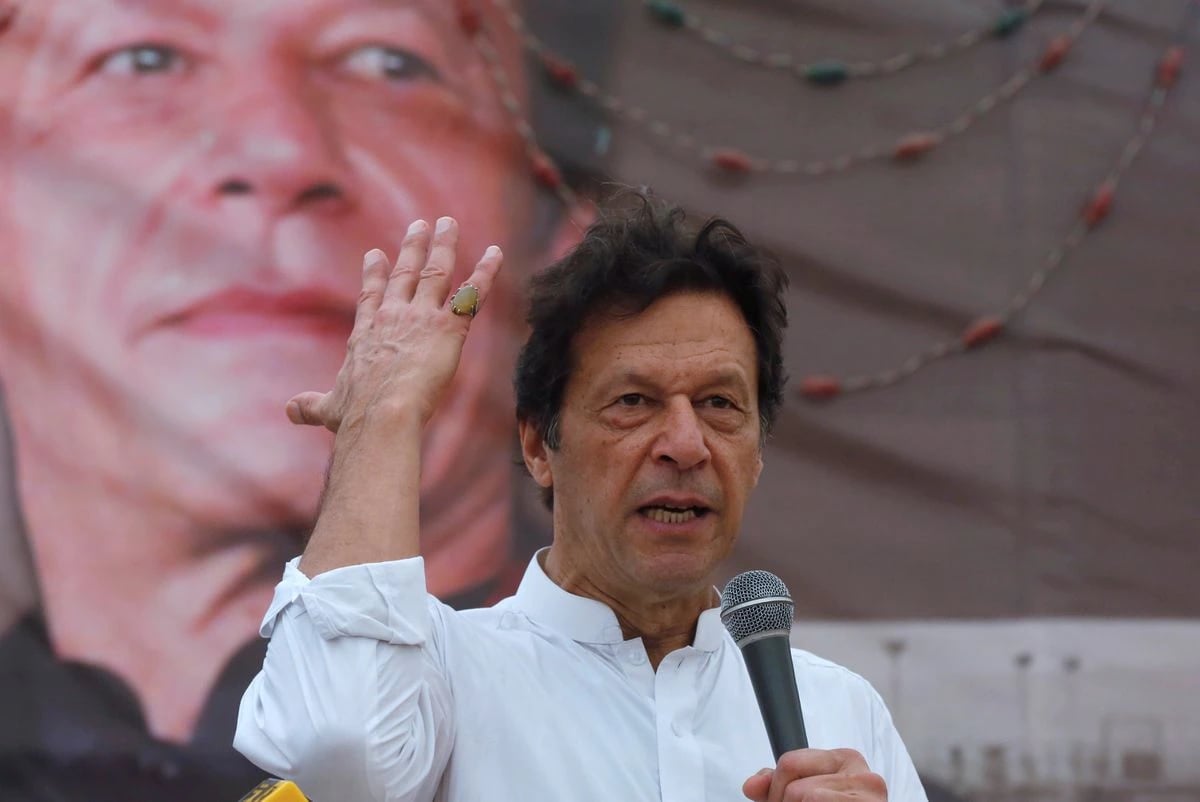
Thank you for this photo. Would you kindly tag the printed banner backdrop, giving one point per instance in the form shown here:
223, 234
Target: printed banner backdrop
1001, 537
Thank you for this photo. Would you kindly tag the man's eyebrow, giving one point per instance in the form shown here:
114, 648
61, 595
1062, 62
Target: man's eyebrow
628, 377
724, 377
151, 8
729, 376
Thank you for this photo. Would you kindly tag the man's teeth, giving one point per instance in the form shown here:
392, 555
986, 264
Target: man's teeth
670, 515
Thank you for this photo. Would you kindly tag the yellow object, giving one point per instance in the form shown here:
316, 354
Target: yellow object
275, 791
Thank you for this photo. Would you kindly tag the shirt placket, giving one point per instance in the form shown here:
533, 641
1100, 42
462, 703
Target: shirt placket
680, 761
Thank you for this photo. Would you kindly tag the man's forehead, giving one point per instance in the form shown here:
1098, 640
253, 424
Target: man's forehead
679, 316
689, 328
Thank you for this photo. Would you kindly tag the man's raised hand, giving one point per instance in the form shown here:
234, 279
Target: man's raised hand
406, 341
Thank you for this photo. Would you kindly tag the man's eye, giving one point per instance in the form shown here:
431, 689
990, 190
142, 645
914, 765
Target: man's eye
143, 60
388, 63
720, 402
631, 399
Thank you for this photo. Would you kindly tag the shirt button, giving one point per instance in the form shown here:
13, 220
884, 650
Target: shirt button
636, 657
677, 728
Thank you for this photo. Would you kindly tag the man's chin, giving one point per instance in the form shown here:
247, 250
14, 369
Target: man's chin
676, 573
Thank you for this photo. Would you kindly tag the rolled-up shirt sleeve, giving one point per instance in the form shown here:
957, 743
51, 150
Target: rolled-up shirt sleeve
352, 701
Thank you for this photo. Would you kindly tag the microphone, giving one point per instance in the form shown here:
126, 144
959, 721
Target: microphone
273, 790
757, 609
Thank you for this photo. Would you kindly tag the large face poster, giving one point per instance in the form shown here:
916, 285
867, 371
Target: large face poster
984, 500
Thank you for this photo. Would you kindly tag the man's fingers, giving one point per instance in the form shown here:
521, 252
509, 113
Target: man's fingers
375, 279
435, 276
797, 765
414, 250
863, 785
802, 770
305, 409
483, 276
812, 762
758, 786
850, 761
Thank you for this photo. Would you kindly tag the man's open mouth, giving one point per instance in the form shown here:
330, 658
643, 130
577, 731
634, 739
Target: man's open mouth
673, 515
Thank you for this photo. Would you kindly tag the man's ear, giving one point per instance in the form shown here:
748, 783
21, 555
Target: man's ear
535, 453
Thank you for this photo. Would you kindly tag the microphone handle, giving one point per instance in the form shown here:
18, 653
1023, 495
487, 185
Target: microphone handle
769, 663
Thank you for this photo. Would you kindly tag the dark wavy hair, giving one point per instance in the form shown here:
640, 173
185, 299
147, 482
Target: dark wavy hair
627, 260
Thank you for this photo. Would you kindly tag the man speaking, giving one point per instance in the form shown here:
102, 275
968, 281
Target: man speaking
649, 381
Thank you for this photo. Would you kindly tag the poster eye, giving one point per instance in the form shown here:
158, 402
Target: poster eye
144, 59
383, 62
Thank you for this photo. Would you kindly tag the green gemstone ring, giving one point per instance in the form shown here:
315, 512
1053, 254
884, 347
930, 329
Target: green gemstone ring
465, 301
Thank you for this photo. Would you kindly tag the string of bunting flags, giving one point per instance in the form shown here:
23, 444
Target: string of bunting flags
831, 72
733, 160
909, 148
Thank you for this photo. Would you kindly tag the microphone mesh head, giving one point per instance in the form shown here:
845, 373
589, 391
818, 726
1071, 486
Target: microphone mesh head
756, 596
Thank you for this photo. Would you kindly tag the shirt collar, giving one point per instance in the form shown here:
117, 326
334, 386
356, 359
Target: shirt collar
588, 620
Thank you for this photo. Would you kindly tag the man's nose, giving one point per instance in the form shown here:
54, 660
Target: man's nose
681, 441
276, 146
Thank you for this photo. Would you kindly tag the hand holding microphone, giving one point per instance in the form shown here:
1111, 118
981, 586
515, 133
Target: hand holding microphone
757, 609
812, 774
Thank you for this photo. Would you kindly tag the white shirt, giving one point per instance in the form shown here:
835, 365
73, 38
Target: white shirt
373, 690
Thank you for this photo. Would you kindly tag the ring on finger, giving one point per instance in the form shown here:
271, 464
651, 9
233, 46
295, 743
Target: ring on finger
465, 300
